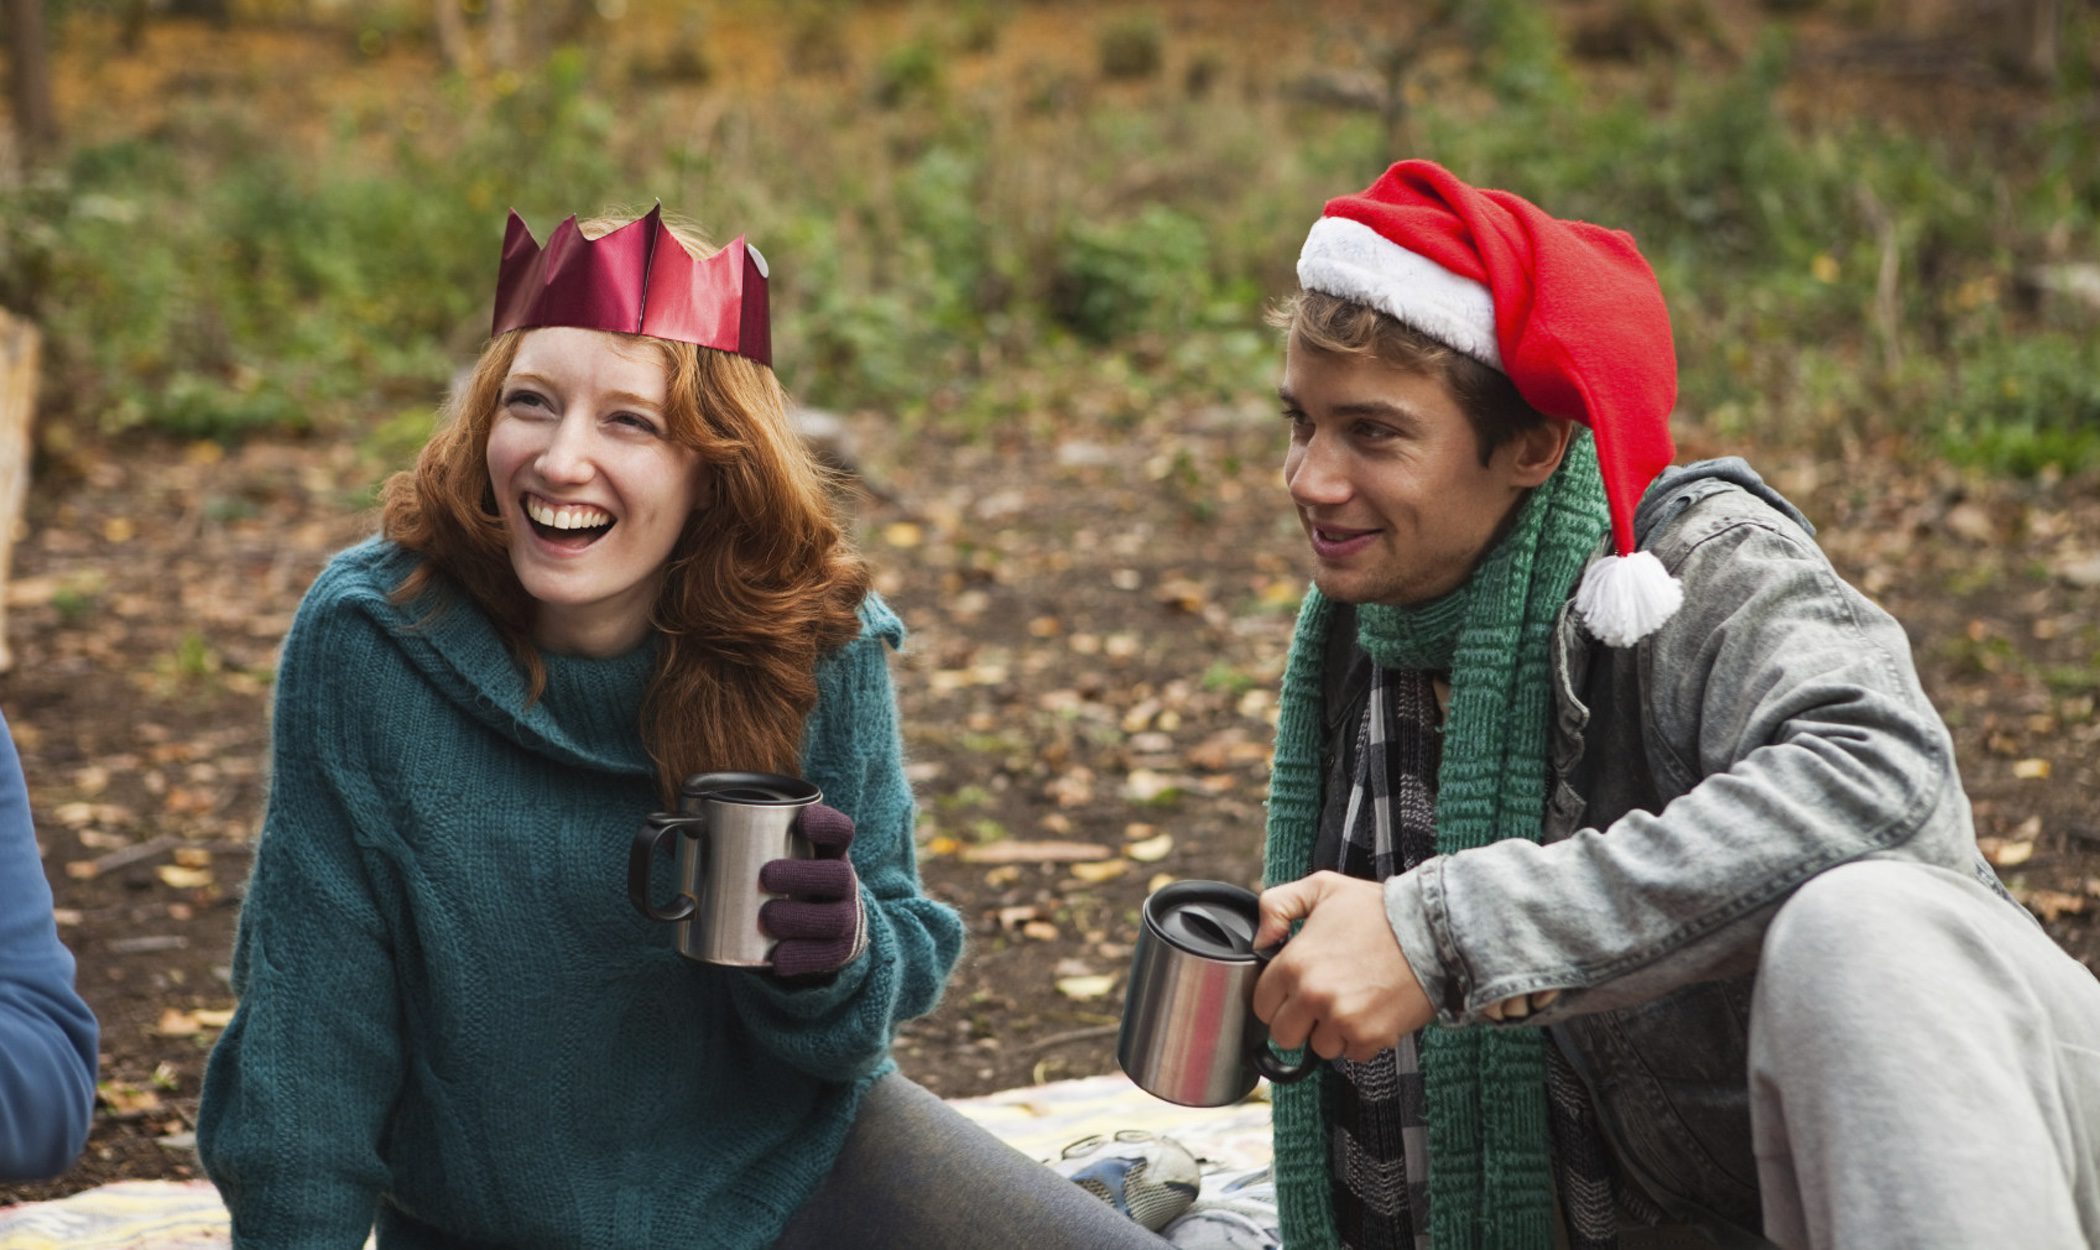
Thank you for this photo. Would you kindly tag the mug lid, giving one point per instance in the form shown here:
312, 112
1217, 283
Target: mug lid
751, 789
1207, 918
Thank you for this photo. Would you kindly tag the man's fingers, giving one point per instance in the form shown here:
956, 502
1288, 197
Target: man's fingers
1283, 905
1328, 1041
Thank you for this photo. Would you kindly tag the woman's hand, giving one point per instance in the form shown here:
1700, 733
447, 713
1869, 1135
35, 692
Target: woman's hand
819, 924
1341, 985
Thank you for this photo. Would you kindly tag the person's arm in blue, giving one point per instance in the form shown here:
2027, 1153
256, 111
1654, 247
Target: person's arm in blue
842, 1027
47, 1034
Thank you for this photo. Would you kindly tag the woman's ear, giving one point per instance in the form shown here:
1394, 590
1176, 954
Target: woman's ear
1537, 451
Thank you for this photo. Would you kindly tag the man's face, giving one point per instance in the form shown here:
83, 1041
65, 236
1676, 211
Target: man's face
1386, 475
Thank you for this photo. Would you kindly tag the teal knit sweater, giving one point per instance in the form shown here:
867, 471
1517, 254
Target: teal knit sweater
453, 1023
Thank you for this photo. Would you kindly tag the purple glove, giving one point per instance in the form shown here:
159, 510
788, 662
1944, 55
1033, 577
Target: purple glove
819, 924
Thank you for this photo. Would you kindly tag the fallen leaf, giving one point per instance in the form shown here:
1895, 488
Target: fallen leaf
31, 592
119, 529
177, 877
191, 856
903, 534
124, 1098
1098, 871
1143, 785
1073, 788
2004, 852
1020, 914
1151, 850
1039, 931
940, 845
175, 1022
1088, 987
1971, 522
2031, 769
1160, 881
1183, 594
1021, 851
212, 1019
2050, 904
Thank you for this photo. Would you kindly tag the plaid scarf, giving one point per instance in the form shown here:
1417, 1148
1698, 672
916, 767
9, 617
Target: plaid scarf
1377, 1110
1485, 1089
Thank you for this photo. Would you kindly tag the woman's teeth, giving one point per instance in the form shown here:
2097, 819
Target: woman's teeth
567, 516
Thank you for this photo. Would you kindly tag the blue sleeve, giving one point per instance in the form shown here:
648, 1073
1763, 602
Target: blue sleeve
842, 1029
47, 1034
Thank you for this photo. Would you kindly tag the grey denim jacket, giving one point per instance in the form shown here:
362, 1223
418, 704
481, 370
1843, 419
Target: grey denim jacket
1772, 729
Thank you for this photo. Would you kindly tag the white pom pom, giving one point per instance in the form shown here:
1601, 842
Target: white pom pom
1626, 598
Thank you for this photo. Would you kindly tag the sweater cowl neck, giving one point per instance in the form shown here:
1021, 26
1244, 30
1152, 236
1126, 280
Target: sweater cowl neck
589, 714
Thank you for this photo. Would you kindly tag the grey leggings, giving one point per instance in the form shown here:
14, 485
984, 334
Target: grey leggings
917, 1173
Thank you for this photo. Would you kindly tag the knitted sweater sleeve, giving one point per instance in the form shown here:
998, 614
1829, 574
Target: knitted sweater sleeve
841, 1029
298, 1089
47, 1035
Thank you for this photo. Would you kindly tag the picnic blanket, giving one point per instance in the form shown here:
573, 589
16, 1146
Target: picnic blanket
1038, 1120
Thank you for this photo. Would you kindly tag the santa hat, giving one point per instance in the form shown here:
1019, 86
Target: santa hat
1567, 310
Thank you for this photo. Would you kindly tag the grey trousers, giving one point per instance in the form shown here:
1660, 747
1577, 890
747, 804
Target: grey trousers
917, 1173
1924, 1069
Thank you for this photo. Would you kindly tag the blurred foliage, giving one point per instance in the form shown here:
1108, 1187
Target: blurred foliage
974, 248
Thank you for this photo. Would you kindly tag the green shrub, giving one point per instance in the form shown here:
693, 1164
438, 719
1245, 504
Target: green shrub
2026, 404
1130, 47
1149, 272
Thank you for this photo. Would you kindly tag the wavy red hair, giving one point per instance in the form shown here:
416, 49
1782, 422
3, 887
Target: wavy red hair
762, 582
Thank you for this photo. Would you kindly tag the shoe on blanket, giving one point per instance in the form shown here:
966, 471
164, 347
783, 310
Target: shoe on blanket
1237, 1211
1149, 1178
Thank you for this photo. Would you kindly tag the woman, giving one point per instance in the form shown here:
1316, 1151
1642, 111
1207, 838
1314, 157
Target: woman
614, 567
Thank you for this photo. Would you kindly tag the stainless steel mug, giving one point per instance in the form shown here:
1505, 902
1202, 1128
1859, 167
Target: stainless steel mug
729, 825
1189, 1032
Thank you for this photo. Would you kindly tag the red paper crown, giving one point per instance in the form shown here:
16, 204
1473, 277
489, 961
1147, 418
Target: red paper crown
638, 279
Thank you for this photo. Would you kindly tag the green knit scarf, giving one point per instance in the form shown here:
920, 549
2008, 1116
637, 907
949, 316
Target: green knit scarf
1490, 1183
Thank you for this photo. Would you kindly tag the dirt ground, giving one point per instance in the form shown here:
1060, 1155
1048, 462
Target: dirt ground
1098, 624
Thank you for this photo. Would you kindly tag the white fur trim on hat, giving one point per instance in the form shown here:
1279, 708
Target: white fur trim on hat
1350, 260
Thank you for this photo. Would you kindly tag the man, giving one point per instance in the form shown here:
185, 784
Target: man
1639, 895
47, 1034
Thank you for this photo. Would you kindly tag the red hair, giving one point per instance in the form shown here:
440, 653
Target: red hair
760, 584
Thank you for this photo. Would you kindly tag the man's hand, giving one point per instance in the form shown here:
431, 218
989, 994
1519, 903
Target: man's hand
1342, 984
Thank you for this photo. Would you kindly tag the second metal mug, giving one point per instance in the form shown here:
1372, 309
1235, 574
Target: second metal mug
1189, 1032
728, 825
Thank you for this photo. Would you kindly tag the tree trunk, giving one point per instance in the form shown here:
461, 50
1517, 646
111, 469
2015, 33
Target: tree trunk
503, 34
36, 123
452, 36
19, 343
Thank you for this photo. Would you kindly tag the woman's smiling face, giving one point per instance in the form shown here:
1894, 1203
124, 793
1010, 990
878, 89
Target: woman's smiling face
592, 490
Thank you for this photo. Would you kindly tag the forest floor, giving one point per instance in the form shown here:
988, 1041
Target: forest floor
1098, 625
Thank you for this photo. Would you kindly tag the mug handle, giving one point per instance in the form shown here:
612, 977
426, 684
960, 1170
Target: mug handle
643, 851
1266, 1061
